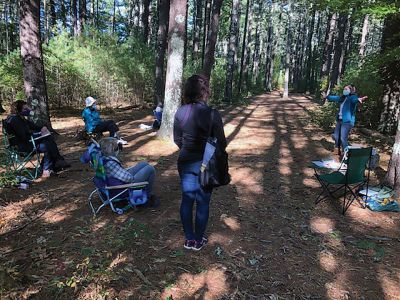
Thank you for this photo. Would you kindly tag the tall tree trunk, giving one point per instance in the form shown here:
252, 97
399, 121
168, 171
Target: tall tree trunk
309, 51
391, 77
197, 29
7, 33
363, 41
32, 61
326, 57
207, 10
287, 55
242, 58
212, 38
82, 15
63, 12
257, 42
231, 63
186, 34
145, 19
346, 51
249, 44
113, 16
74, 10
173, 80
163, 15
339, 48
53, 16
267, 75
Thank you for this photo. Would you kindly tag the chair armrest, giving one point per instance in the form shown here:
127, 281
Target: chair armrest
128, 185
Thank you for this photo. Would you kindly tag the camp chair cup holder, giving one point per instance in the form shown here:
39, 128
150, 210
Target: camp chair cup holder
347, 182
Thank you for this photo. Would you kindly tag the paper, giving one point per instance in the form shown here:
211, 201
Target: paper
328, 164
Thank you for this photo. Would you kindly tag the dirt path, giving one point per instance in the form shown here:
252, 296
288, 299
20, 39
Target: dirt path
267, 240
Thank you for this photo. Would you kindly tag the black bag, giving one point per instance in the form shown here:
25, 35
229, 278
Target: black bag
215, 171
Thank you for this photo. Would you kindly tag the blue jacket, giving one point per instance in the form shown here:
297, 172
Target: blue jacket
91, 117
349, 107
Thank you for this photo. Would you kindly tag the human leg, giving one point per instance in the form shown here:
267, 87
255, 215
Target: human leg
144, 172
344, 135
109, 126
47, 164
336, 133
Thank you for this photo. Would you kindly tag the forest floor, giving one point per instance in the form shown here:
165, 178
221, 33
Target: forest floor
267, 239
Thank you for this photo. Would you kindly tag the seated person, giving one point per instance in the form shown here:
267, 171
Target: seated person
21, 129
94, 124
158, 115
139, 173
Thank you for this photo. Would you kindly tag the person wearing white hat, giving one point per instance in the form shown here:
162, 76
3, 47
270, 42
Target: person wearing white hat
94, 124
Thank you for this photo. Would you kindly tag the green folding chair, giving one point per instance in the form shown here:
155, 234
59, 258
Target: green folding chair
347, 182
17, 162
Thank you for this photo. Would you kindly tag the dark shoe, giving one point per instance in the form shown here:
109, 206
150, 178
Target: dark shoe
189, 244
61, 164
200, 244
154, 201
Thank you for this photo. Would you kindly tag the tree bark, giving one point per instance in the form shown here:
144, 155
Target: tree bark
74, 8
82, 15
326, 57
207, 10
32, 61
53, 16
390, 77
63, 12
242, 58
113, 16
212, 39
339, 47
231, 62
145, 19
173, 80
267, 76
363, 41
163, 15
197, 29
309, 51
287, 56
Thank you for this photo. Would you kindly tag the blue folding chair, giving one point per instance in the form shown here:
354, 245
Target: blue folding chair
110, 193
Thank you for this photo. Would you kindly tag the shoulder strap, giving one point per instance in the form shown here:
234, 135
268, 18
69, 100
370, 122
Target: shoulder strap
211, 122
187, 114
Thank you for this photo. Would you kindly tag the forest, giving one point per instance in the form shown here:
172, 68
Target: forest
271, 65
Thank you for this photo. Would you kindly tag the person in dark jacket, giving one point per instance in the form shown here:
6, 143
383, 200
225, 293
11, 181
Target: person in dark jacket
21, 130
345, 118
191, 126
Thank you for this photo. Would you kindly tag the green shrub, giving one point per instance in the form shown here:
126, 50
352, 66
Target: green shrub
325, 116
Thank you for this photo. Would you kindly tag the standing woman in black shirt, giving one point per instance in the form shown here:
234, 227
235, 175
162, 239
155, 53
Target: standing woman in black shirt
191, 126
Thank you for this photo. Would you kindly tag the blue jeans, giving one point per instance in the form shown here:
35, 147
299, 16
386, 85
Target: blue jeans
341, 134
191, 193
143, 172
47, 164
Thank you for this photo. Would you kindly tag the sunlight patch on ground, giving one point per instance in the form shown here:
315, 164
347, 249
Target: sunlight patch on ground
219, 239
337, 288
121, 258
248, 179
210, 284
59, 213
390, 283
322, 225
158, 148
231, 222
327, 261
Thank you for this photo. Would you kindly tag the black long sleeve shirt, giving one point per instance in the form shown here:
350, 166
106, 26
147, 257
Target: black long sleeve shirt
21, 130
191, 126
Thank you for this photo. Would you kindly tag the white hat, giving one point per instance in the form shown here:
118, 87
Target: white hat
89, 101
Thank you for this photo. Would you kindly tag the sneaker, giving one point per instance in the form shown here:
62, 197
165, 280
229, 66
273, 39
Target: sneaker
154, 201
200, 244
122, 141
189, 244
46, 173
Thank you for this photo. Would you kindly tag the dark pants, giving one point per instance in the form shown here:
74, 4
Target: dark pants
50, 151
191, 193
108, 125
341, 134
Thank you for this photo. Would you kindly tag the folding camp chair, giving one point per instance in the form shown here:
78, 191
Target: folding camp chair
134, 194
348, 181
18, 162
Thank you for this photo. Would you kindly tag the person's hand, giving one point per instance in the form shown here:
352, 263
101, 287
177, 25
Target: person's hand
362, 99
323, 95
